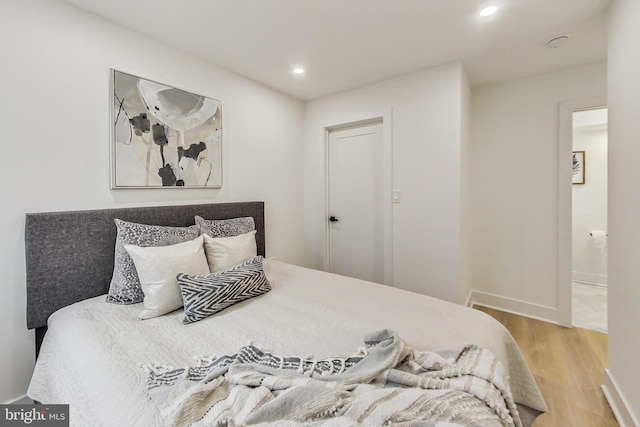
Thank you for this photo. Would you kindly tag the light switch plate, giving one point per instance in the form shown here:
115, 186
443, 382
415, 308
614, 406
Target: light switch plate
395, 196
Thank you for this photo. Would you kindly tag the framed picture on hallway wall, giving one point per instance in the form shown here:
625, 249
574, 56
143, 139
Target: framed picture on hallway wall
577, 172
163, 137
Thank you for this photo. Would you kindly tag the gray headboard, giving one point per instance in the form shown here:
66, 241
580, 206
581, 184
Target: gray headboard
69, 255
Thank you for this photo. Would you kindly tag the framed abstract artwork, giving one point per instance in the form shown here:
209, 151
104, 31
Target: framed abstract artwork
163, 137
578, 168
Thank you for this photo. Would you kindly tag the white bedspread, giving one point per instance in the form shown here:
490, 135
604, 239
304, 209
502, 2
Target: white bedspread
93, 350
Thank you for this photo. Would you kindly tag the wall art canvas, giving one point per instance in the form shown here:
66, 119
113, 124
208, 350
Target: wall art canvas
578, 169
163, 137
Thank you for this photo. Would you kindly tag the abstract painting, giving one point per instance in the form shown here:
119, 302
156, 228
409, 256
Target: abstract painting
163, 137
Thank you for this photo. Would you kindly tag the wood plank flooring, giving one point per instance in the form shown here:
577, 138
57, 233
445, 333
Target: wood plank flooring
568, 365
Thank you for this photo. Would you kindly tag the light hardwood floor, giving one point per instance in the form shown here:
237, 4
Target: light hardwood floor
568, 365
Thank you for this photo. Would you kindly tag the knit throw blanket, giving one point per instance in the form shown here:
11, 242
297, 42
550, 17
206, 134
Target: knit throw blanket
385, 383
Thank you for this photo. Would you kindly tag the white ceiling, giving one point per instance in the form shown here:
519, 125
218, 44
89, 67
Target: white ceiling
349, 43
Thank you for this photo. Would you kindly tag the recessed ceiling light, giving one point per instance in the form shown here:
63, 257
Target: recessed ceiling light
298, 70
489, 10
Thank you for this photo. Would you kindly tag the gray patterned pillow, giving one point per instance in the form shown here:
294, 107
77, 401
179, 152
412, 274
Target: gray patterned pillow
125, 285
206, 295
225, 227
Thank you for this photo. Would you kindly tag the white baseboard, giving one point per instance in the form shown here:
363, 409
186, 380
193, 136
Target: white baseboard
514, 306
22, 400
618, 403
589, 278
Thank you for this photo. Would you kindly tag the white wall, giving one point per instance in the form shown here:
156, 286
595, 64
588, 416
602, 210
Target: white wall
55, 137
427, 133
624, 202
514, 187
590, 207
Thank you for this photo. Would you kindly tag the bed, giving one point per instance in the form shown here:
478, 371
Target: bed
104, 362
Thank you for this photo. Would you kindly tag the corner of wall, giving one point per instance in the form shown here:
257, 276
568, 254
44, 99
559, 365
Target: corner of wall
465, 183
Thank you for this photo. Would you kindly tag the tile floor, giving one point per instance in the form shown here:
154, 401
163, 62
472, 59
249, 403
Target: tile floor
589, 307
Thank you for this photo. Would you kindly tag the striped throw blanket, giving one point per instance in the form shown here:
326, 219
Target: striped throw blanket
385, 383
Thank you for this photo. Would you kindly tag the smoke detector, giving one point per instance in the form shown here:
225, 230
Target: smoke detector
557, 42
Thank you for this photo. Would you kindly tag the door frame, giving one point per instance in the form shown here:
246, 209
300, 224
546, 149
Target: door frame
385, 118
565, 199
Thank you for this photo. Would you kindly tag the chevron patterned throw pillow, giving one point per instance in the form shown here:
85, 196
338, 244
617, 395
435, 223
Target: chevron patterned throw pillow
208, 294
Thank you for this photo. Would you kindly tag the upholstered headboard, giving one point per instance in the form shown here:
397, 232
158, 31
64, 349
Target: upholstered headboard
69, 255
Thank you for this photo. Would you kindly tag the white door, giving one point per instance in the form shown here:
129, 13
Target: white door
356, 218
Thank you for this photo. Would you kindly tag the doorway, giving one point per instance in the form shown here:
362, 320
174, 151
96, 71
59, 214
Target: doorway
355, 202
358, 199
589, 219
565, 202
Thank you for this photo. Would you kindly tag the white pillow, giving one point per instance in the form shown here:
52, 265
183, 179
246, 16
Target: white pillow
157, 269
226, 252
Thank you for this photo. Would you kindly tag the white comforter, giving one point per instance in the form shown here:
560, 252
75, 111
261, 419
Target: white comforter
92, 354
